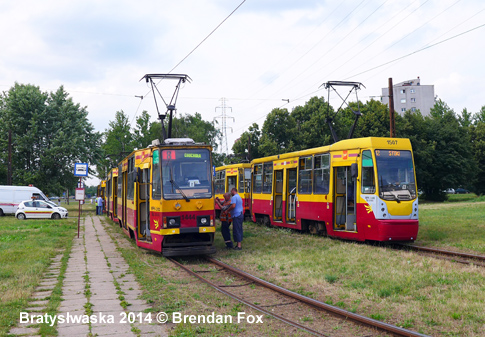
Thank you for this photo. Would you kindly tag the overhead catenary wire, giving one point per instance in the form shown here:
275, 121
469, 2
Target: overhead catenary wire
357, 54
377, 67
197, 46
344, 19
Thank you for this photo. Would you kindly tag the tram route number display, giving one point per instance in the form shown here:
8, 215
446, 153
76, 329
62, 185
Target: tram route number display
171, 155
381, 153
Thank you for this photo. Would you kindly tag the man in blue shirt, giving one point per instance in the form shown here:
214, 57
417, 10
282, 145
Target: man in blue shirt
237, 215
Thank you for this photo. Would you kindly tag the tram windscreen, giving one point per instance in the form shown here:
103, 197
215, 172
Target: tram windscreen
395, 172
186, 174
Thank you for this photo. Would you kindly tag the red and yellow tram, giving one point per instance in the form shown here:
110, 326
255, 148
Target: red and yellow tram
162, 197
234, 176
356, 189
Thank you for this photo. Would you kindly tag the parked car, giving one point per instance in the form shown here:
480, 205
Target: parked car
462, 191
450, 191
30, 209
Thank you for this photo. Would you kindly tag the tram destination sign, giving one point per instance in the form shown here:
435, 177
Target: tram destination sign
80, 169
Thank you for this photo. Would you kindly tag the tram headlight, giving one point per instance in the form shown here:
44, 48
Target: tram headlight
172, 222
203, 220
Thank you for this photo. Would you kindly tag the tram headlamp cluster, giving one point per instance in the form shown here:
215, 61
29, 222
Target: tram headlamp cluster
205, 220
171, 222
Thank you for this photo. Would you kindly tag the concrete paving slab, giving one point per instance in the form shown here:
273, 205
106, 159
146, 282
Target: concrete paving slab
102, 274
20, 331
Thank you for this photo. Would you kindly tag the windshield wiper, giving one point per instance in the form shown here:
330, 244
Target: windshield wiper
177, 186
180, 190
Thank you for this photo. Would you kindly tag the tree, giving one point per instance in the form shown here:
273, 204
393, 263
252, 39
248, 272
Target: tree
442, 150
246, 147
118, 142
311, 126
193, 126
50, 133
278, 133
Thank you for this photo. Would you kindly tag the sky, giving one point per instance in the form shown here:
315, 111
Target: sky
265, 53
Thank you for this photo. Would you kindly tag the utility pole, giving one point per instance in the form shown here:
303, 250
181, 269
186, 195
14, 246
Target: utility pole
9, 169
224, 127
392, 126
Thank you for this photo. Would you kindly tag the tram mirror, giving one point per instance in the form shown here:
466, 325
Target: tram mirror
354, 170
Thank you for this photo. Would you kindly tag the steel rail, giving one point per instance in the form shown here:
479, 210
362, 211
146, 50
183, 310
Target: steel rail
320, 305
249, 304
444, 252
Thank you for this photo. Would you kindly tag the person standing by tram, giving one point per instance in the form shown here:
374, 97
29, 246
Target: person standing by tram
99, 206
226, 219
237, 214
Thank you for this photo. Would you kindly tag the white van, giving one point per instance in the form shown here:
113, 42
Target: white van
12, 196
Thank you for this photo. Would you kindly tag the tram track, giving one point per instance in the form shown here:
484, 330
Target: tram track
298, 299
459, 257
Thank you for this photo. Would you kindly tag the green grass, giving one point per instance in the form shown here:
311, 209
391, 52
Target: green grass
169, 289
461, 197
428, 295
459, 226
26, 250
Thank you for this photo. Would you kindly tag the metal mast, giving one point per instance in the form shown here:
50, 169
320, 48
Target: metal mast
224, 127
181, 78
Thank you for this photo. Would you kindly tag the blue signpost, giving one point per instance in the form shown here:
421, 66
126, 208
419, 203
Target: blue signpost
80, 170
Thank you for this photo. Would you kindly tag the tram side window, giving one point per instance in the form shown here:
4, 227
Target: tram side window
120, 180
268, 177
244, 180
220, 182
258, 178
241, 181
247, 180
108, 187
130, 187
322, 174
156, 180
368, 179
305, 176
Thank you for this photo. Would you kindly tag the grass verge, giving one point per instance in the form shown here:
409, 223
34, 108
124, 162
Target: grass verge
27, 248
457, 226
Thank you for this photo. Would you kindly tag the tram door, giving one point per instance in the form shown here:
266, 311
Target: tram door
278, 196
114, 196
231, 182
344, 196
291, 178
144, 206
124, 199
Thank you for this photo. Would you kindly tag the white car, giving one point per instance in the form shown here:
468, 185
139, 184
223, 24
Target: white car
30, 209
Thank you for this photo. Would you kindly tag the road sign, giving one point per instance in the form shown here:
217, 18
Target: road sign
80, 169
80, 194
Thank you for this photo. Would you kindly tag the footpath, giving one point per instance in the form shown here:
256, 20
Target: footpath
97, 283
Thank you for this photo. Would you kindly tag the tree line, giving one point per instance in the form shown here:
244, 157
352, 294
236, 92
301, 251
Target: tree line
49, 133
449, 148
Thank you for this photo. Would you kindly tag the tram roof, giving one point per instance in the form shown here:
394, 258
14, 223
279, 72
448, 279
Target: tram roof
346, 144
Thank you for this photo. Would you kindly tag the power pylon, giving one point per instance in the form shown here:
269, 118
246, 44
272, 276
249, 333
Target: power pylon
224, 127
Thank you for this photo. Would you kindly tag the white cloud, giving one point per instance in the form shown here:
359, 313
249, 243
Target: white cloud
267, 51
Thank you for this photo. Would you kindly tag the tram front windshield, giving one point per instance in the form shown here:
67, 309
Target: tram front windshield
186, 174
395, 172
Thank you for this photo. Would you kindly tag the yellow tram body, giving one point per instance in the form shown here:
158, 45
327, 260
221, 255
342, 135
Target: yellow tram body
234, 176
358, 189
165, 199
